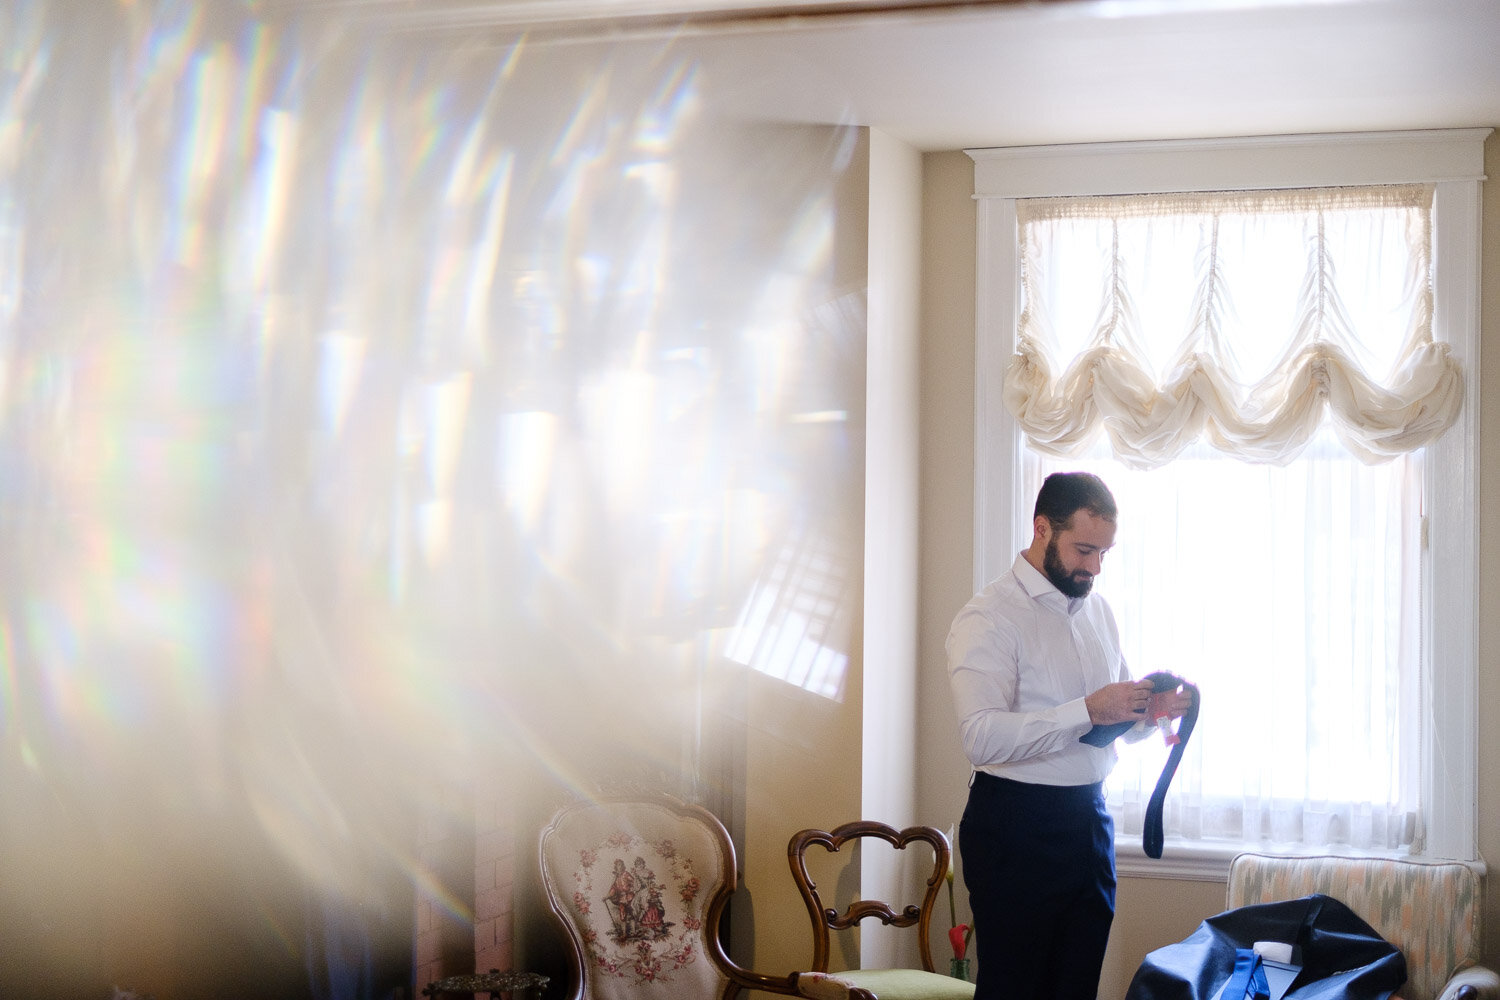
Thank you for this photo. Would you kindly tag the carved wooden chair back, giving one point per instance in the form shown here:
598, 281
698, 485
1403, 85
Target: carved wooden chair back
826, 918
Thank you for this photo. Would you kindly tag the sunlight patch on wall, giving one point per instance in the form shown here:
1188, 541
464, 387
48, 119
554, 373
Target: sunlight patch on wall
795, 622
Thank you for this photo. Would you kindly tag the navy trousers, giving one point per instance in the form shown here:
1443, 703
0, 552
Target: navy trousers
1039, 863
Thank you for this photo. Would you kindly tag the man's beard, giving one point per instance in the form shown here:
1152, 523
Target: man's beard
1078, 584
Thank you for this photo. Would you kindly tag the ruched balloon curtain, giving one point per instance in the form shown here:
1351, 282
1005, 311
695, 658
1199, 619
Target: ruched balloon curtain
1242, 318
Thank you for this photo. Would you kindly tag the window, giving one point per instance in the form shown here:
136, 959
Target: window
1338, 669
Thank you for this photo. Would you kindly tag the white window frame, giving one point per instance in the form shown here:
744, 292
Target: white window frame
1450, 159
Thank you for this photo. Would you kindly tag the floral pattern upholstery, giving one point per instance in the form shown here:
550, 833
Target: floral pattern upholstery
1430, 910
635, 885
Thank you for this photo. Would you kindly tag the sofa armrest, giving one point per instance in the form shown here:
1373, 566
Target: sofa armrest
1474, 983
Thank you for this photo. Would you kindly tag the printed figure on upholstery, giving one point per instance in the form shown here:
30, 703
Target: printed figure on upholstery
634, 904
652, 907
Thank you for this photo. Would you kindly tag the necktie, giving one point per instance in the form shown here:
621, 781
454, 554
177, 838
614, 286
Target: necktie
1248, 982
1152, 838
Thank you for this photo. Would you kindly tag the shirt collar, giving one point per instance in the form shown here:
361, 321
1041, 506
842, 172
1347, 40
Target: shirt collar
1042, 590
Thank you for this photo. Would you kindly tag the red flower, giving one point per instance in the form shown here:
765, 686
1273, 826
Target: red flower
957, 938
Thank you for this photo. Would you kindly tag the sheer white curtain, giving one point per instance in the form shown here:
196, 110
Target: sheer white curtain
1254, 375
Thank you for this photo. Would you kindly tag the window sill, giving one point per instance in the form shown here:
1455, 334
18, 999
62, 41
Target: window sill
1179, 860
1197, 862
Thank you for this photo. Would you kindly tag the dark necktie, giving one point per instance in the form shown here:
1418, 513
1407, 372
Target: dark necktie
1153, 837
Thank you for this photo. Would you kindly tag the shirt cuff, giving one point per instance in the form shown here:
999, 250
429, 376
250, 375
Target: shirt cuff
1076, 714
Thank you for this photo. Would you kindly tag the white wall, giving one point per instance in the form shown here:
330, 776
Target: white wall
890, 684
947, 477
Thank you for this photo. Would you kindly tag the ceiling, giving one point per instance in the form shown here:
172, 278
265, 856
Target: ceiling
946, 75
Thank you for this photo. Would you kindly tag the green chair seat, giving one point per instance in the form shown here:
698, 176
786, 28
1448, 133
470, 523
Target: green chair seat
909, 984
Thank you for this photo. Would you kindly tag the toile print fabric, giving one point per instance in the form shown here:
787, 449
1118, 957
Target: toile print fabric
641, 904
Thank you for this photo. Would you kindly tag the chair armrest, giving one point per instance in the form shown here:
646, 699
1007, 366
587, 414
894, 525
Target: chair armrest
808, 985
823, 986
1474, 983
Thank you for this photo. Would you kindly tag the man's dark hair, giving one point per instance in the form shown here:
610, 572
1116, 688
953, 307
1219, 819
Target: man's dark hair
1065, 493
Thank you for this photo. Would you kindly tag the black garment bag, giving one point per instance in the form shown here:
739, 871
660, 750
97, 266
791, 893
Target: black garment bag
1342, 957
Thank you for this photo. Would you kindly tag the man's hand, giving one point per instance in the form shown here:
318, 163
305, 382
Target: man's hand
1173, 704
1124, 701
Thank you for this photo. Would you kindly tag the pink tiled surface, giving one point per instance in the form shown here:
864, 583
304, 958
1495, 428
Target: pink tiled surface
494, 883
448, 944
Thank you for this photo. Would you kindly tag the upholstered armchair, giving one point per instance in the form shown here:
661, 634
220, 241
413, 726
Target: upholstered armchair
1429, 910
639, 884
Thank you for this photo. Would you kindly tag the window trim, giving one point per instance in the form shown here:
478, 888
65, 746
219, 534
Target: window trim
1452, 160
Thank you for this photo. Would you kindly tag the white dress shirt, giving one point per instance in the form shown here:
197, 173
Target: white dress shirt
1022, 656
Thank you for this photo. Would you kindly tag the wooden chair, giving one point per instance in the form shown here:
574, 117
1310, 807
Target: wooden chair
1429, 910
639, 883
925, 983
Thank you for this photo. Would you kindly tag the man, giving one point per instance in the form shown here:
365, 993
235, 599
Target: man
1034, 660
